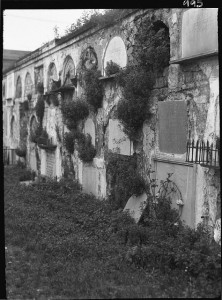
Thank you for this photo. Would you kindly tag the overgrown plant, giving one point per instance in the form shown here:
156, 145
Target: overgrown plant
93, 89
40, 88
25, 105
133, 108
55, 100
86, 150
21, 152
112, 68
29, 96
34, 135
73, 112
40, 107
149, 57
27, 175
124, 180
94, 18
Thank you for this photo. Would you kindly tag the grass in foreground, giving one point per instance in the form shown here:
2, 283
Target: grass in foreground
62, 243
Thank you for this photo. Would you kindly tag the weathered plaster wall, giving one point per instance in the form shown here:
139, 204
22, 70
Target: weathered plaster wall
194, 82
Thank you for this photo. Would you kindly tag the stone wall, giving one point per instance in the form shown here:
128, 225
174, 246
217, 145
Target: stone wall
194, 82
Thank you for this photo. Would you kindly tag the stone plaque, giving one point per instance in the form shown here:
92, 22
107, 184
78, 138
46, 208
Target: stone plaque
90, 129
33, 162
89, 181
184, 178
199, 31
136, 205
172, 126
118, 142
116, 51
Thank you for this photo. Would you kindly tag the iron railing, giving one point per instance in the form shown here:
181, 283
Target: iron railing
9, 156
203, 153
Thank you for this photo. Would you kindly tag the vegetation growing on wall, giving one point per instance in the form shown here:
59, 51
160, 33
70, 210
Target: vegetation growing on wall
40, 88
40, 107
25, 105
133, 108
21, 152
36, 134
95, 18
150, 57
29, 96
124, 180
112, 68
93, 89
73, 112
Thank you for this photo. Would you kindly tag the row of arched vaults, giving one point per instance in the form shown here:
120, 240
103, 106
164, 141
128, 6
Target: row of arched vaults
53, 77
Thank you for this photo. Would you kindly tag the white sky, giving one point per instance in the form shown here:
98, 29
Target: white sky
28, 29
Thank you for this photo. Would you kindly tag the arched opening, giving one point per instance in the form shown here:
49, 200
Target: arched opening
28, 84
52, 75
68, 71
33, 125
89, 127
89, 59
18, 93
13, 128
115, 52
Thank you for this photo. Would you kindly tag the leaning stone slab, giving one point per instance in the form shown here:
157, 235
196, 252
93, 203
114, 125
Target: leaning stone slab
136, 205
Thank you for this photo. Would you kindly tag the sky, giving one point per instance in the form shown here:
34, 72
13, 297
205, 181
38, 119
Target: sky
29, 29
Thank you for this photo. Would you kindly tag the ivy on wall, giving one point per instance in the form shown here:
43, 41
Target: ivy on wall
150, 56
93, 89
73, 112
125, 181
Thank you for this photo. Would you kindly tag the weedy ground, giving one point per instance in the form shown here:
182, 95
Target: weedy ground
61, 243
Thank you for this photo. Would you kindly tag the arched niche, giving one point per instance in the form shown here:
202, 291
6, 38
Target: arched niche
33, 125
13, 127
115, 51
18, 92
52, 75
68, 71
89, 127
28, 84
118, 142
89, 59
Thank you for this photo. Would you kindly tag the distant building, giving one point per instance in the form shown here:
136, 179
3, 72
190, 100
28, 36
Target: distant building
11, 56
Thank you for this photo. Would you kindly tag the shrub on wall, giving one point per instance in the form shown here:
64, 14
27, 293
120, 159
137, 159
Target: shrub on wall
69, 142
150, 57
40, 107
36, 134
133, 108
40, 88
86, 149
55, 100
21, 152
93, 88
125, 180
112, 68
73, 112
25, 105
